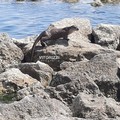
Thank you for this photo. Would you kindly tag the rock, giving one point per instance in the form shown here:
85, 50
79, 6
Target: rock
30, 108
89, 106
40, 71
33, 89
101, 72
70, 1
97, 3
110, 1
9, 52
95, 107
23, 43
61, 117
83, 24
78, 48
107, 35
13, 80
54, 56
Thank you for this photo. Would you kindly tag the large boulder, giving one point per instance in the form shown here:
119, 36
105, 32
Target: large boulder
107, 35
39, 70
9, 52
76, 49
95, 107
34, 107
99, 73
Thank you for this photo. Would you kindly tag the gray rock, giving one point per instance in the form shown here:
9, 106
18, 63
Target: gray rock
23, 43
96, 107
82, 76
97, 3
55, 55
33, 89
40, 71
61, 117
13, 80
107, 35
30, 108
110, 1
9, 52
70, 1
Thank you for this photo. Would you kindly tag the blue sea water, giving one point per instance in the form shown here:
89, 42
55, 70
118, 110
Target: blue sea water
22, 19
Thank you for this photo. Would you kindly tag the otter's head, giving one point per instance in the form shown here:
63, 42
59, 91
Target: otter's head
72, 29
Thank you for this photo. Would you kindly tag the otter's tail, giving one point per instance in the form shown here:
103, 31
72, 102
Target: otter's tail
33, 47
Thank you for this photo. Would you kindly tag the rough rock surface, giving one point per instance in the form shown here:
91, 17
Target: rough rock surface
102, 69
96, 107
9, 52
110, 1
32, 108
22, 43
40, 71
13, 79
82, 76
32, 89
107, 35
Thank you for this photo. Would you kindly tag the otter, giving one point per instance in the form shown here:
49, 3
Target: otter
53, 33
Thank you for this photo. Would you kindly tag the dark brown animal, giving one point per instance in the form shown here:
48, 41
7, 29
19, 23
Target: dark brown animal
53, 33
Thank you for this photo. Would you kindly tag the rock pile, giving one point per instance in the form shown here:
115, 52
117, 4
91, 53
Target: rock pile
77, 79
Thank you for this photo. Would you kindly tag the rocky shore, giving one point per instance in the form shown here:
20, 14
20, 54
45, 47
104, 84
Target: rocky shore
77, 79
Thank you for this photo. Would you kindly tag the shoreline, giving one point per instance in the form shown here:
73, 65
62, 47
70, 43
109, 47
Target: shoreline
77, 79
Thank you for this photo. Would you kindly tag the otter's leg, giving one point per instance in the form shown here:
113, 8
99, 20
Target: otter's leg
66, 37
43, 43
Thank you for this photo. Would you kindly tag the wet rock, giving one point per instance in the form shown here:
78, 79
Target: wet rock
107, 35
9, 52
40, 71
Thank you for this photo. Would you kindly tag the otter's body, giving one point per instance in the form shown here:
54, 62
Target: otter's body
53, 33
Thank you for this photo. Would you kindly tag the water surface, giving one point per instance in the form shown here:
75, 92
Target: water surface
21, 19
